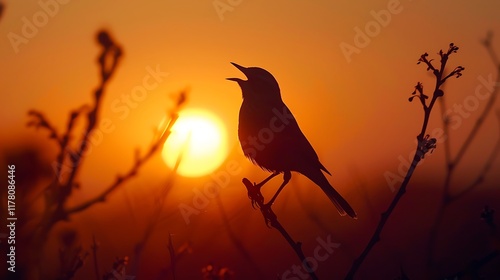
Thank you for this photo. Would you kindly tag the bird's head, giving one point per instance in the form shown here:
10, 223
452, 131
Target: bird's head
260, 84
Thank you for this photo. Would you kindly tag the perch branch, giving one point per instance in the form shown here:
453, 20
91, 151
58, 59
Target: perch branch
271, 219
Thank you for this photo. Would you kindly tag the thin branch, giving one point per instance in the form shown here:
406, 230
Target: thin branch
112, 50
65, 139
131, 173
171, 250
482, 174
40, 121
487, 44
57, 193
446, 133
94, 248
424, 145
478, 124
159, 203
383, 219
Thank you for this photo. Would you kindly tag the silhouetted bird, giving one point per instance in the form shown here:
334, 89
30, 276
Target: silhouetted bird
271, 138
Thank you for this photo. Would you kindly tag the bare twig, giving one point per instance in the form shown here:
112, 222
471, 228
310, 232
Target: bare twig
120, 179
479, 121
171, 250
40, 121
109, 50
452, 162
424, 143
59, 190
138, 163
482, 173
65, 139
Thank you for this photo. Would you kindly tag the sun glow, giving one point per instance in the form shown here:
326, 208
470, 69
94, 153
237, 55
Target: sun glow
198, 140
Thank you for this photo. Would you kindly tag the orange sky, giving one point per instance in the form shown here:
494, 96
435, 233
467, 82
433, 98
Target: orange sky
298, 42
360, 101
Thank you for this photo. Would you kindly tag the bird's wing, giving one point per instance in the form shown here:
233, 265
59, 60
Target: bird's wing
291, 145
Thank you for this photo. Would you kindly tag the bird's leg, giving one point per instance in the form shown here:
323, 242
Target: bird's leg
286, 178
267, 179
254, 190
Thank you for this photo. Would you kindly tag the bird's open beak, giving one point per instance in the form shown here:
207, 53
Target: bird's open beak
241, 68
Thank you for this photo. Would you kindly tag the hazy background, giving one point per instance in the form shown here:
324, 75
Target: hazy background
356, 114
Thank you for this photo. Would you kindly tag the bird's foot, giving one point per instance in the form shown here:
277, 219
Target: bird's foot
267, 205
254, 193
257, 200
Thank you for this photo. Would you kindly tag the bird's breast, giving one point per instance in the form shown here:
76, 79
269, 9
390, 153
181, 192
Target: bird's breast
259, 132
253, 118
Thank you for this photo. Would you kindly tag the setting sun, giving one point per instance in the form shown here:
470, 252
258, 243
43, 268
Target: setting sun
200, 138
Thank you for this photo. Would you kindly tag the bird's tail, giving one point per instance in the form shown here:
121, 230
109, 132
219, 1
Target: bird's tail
342, 205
